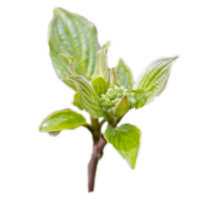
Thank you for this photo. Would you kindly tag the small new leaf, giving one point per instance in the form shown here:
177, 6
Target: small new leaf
124, 75
76, 101
122, 106
156, 75
113, 78
100, 86
70, 61
101, 68
88, 98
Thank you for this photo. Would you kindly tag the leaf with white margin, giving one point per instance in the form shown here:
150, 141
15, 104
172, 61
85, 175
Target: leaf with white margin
126, 140
88, 98
156, 75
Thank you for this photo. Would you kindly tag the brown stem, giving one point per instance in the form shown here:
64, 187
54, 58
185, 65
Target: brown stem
92, 166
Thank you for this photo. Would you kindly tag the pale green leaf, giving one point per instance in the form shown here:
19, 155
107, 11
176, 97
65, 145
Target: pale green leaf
72, 35
70, 60
126, 140
124, 75
113, 78
100, 86
122, 106
76, 101
140, 99
101, 68
88, 98
60, 120
156, 75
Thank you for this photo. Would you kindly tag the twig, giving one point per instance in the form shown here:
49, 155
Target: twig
92, 166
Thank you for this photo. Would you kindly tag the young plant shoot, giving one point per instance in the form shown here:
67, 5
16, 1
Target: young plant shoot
106, 94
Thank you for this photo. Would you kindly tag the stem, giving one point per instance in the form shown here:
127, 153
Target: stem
92, 166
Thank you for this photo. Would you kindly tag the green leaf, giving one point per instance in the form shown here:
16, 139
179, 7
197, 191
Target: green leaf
77, 102
142, 145
101, 68
88, 98
124, 75
126, 140
113, 78
140, 99
60, 120
122, 106
100, 86
72, 35
156, 75
70, 60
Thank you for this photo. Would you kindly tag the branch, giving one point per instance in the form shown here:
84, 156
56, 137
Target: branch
92, 166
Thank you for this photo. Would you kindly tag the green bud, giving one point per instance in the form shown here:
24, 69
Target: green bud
112, 96
140, 104
125, 92
116, 87
115, 94
119, 95
109, 89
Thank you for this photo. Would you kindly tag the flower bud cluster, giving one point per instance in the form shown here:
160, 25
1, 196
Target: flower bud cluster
113, 96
